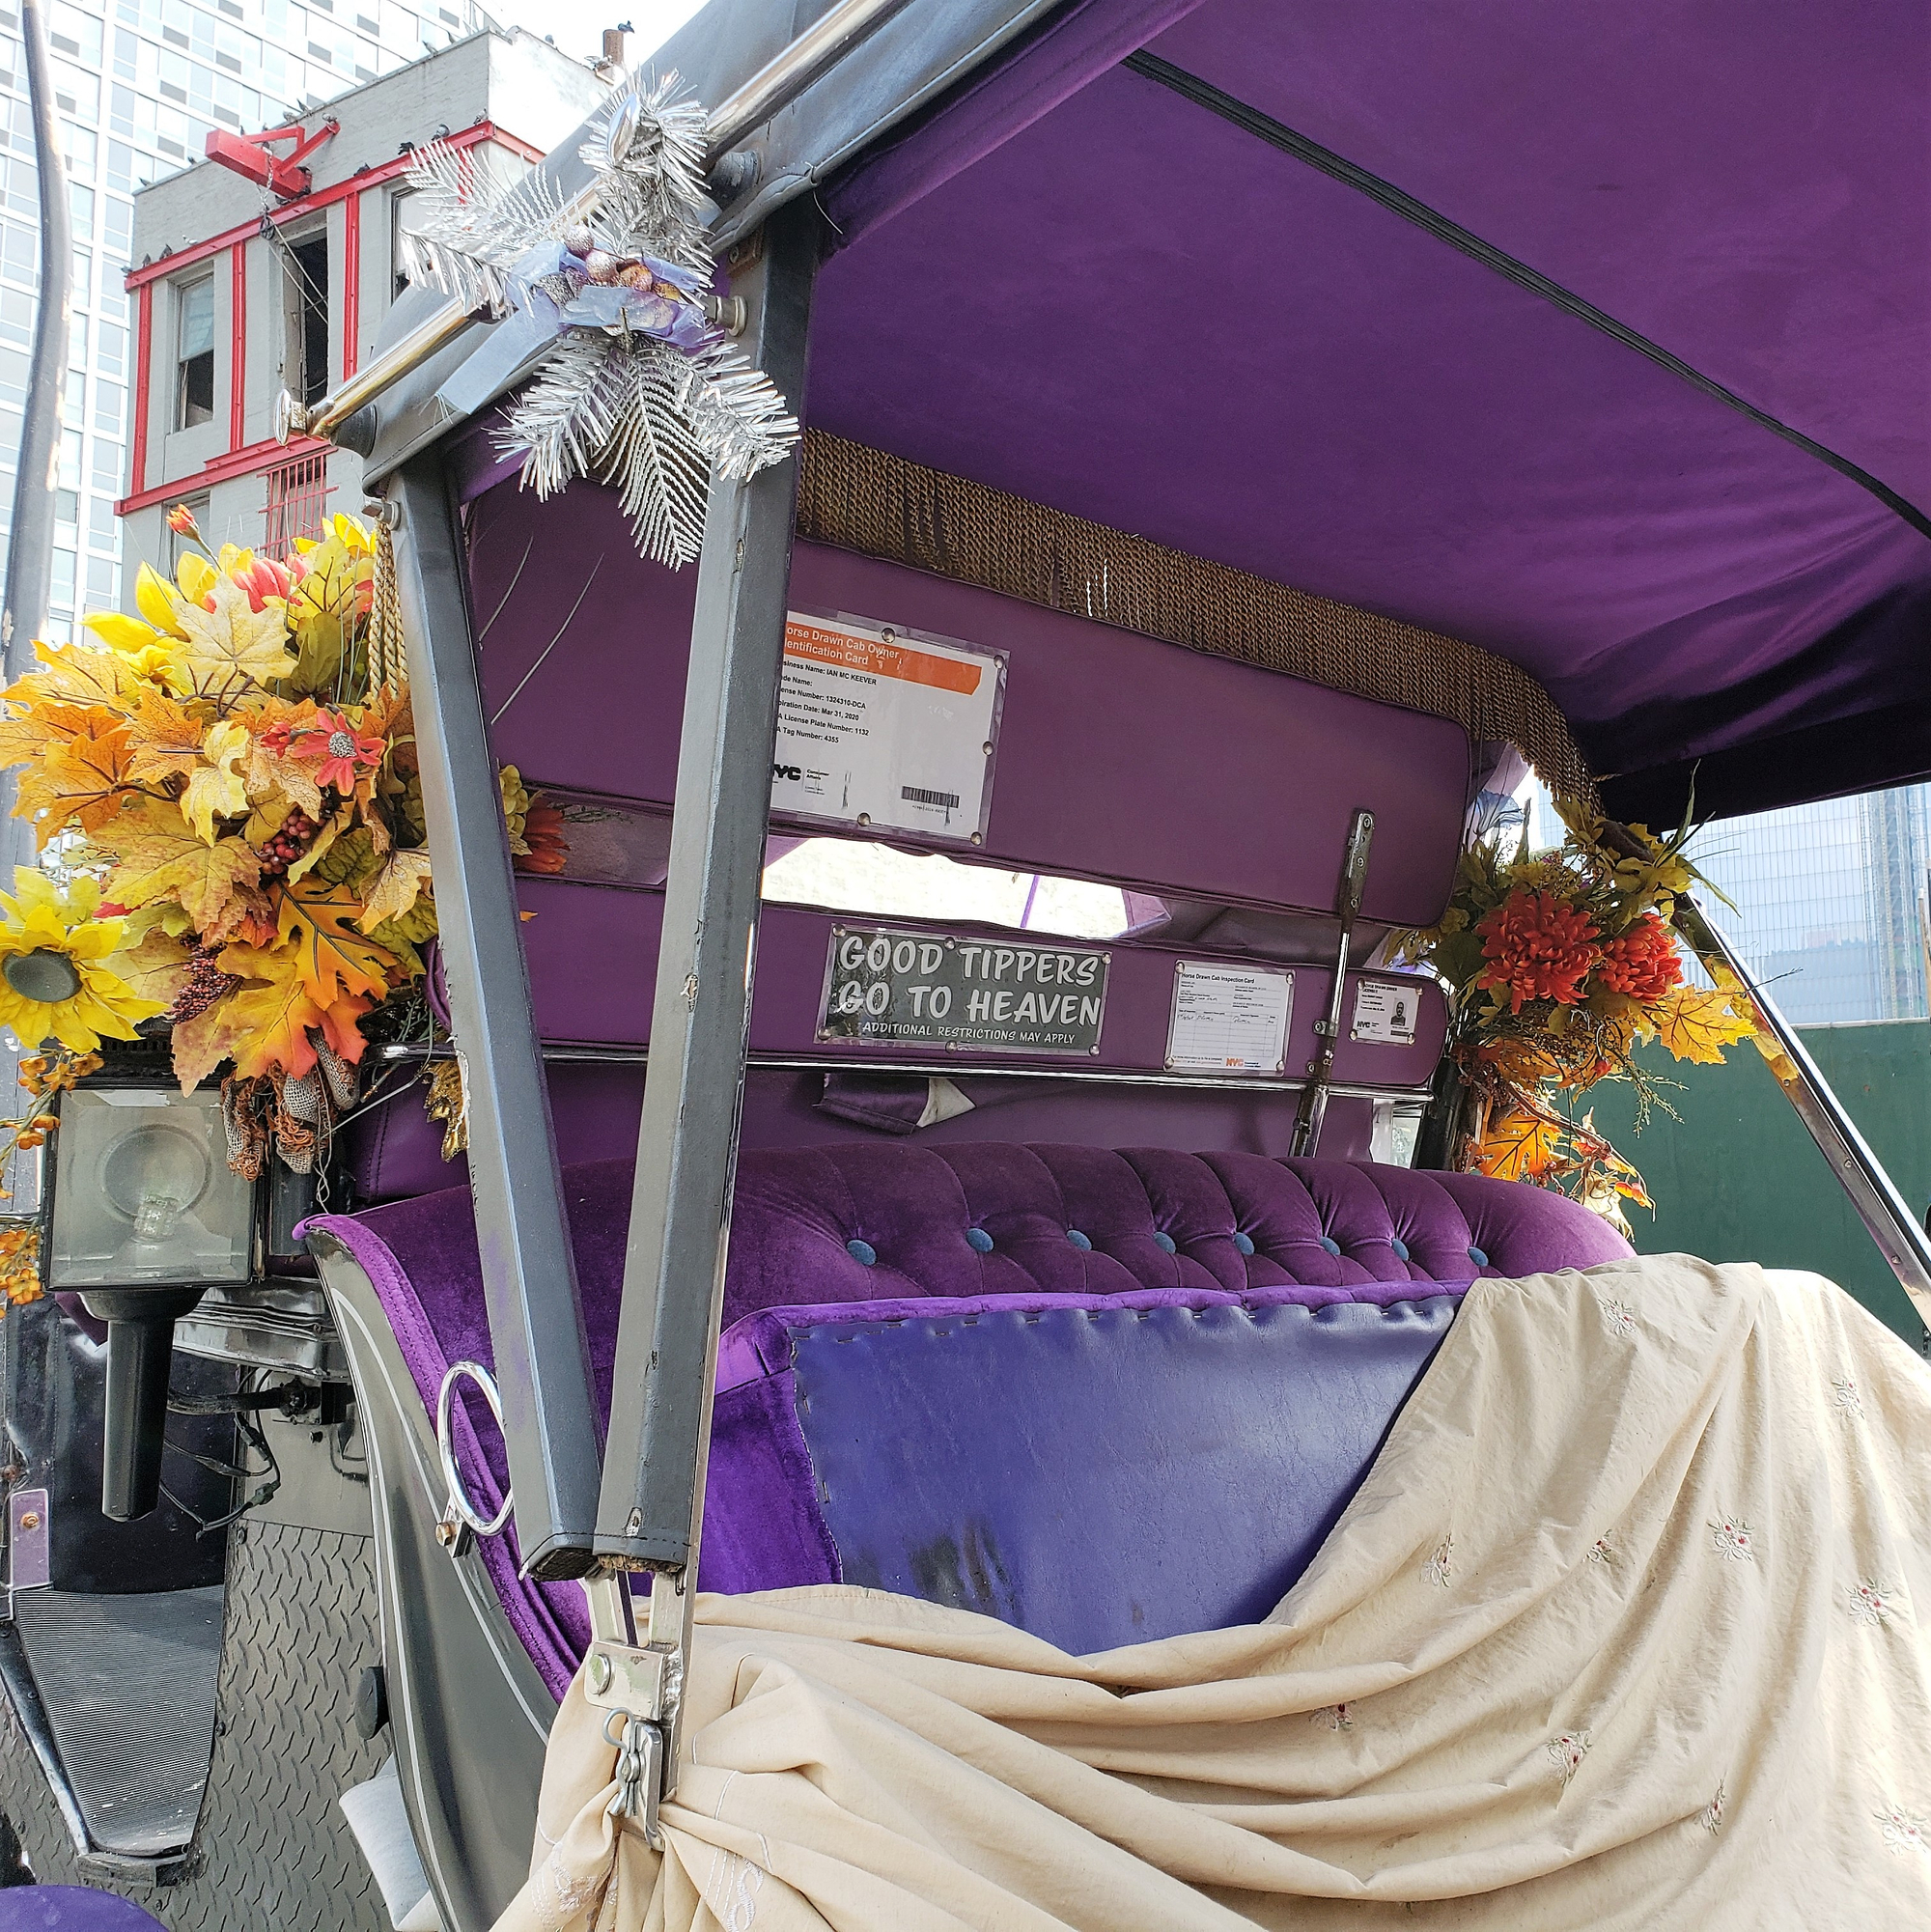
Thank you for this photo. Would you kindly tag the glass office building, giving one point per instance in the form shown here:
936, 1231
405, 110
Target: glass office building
1832, 902
139, 85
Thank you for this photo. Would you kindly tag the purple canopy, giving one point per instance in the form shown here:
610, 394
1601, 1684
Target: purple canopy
1599, 339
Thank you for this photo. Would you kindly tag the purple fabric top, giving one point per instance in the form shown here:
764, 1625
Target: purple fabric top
856, 1225
1342, 401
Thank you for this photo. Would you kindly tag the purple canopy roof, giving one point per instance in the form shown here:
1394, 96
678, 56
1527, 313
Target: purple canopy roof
1675, 479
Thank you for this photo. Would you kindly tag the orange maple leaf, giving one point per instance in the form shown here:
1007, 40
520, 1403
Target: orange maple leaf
317, 918
1520, 1147
1697, 1025
83, 780
30, 734
265, 1025
167, 735
161, 856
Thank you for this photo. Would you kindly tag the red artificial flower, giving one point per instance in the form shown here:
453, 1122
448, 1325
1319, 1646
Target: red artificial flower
542, 833
263, 579
1642, 962
180, 520
344, 753
1536, 947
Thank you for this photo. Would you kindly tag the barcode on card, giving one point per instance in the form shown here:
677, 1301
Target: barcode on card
918, 795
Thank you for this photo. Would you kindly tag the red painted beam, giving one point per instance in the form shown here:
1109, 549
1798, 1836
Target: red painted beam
200, 251
267, 454
351, 284
144, 357
238, 338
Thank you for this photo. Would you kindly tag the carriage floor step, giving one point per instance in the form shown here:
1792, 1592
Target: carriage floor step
127, 1684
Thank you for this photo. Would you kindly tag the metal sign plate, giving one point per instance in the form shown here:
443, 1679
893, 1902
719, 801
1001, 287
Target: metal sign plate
30, 1539
886, 986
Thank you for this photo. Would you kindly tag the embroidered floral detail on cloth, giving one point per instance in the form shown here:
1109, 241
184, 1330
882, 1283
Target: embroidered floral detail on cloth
1711, 1816
561, 1894
1735, 1541
1872, 1602
1439, 1565
1618, 1320
1904, 1831
1566, 1752
1335, 1716
1844, 1391
736, 1883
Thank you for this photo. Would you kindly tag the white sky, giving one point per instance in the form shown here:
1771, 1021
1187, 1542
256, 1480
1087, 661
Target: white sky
577, 25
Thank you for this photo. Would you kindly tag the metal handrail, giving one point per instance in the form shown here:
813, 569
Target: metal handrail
1900, 1238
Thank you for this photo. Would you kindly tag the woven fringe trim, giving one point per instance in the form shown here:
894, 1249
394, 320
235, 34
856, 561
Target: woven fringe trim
862, 499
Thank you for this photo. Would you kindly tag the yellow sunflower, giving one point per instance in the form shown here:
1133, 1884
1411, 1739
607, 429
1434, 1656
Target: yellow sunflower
54, 979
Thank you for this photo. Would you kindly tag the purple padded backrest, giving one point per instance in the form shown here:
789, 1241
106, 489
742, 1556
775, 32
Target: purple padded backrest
853, 1226
1119, 757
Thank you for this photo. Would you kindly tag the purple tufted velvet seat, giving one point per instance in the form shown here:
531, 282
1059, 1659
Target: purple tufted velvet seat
898, 1318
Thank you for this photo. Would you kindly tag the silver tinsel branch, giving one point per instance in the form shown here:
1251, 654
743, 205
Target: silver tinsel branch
654, 403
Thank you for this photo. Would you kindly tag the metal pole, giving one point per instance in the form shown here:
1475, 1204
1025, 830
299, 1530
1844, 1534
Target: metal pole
649, 1515
529, 1277
1901, 1241
30, 559
1313, 1110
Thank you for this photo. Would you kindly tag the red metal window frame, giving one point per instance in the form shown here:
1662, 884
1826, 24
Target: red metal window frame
238, 338
352, 283
144, 344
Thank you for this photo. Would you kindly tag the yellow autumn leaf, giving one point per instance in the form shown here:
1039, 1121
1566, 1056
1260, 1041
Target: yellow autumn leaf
122, 634
161, 857
75, 675
167, 736
233, 645
1520, 1147
396, 888
156, 968
196, 577
1697, 1026
217, 788
82, 780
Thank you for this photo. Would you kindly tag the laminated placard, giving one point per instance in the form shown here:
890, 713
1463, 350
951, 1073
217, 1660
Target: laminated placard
1228, 1019
1385, 1011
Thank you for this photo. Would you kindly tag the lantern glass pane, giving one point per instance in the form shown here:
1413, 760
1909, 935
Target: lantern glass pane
142, 1192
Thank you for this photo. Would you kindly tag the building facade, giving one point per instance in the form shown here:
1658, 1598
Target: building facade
236, 294
1830, 903
139, 85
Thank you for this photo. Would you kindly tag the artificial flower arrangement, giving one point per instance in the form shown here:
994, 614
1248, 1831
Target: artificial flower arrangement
1558, 965
230, 807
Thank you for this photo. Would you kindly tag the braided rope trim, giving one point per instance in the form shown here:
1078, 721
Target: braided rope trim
862, 499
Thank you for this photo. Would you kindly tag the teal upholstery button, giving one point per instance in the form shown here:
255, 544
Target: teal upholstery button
977, 1239
862, 1250
1078, 1240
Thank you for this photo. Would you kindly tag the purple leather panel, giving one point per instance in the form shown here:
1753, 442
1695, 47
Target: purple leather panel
394, 1150
70, 1907
1120, 758
592, 952
888, 1226
1100, 1475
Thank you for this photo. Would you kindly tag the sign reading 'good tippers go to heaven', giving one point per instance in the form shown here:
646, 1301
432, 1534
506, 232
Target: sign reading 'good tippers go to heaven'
931, 988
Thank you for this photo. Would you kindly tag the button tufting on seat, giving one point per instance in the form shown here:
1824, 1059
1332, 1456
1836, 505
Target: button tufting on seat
979, 1240
1476, 1255
1164, 1243
1400, 1248
1078, 1240
862, 1252
1245, 1243
1332, 1245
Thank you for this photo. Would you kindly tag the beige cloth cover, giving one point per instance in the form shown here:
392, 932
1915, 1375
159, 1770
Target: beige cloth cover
1621, 1631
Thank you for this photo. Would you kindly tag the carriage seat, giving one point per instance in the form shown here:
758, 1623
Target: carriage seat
1103, 1395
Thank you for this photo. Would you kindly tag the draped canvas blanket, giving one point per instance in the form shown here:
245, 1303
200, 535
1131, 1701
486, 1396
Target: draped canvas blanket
1621, 1631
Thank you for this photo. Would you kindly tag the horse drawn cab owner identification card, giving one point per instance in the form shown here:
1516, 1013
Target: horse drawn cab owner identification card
882, 727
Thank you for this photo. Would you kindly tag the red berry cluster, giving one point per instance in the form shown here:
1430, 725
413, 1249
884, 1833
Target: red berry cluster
290, 842
205, 984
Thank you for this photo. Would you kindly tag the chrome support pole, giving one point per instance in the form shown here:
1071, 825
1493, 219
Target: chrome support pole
651, 1509
529, 1277
1899, 1236
439, 328
792, 70
1313, 1110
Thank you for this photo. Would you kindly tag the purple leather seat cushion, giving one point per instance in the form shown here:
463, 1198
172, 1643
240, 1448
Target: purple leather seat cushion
70, 1907
959, 1221
1097, 1470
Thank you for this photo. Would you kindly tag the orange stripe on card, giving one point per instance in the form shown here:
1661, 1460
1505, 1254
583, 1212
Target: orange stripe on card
822, 645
